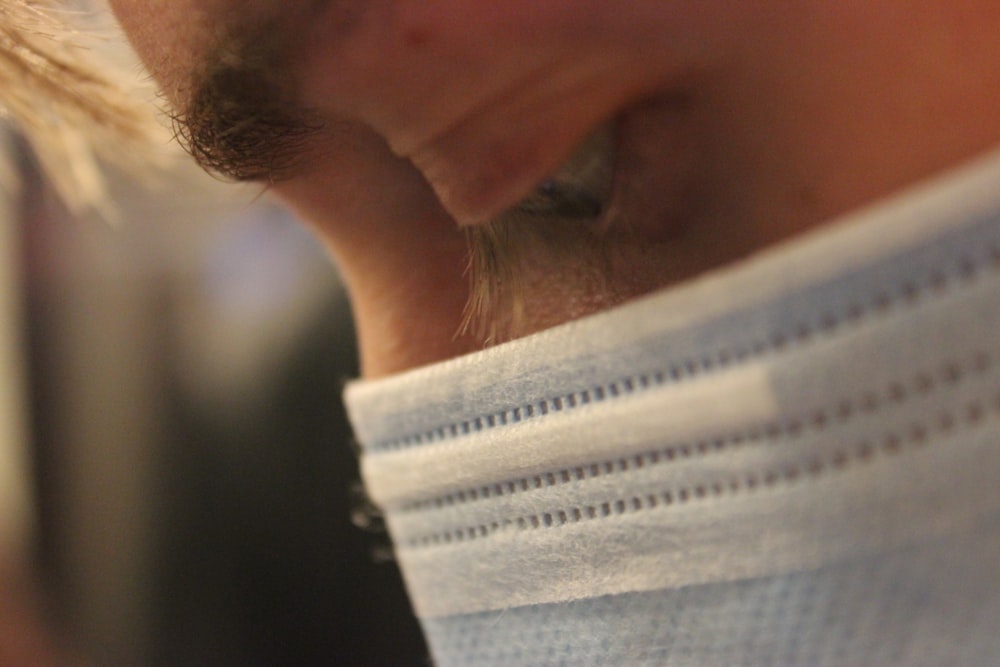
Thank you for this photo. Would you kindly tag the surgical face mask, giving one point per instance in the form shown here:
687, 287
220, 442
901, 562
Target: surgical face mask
791, 461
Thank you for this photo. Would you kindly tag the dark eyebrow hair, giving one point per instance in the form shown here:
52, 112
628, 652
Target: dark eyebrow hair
243, 120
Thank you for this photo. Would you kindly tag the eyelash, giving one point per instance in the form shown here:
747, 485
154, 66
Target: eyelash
582, 187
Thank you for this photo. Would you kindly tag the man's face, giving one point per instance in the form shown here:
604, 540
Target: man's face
393, 125
484, 99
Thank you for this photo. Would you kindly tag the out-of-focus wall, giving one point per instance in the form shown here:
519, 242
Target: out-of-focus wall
98, 298
16, 510
180, 462
194, 457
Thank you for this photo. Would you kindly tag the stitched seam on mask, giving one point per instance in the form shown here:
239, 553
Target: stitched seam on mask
863, 452
963, 270
948, 374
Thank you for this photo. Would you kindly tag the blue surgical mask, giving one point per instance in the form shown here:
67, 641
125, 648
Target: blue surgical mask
791, 461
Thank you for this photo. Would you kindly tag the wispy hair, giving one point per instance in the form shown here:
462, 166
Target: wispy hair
74, 107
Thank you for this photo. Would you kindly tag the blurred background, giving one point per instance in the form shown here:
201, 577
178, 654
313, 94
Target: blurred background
175, 464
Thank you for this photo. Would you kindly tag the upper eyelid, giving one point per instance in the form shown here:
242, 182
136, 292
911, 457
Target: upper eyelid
583, 186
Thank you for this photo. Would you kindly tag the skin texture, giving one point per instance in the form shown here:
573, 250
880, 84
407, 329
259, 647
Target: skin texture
739, 125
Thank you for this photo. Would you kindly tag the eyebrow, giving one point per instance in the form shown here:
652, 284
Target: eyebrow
243, 120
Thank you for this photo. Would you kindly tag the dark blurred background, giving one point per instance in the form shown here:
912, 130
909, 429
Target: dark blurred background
193, 472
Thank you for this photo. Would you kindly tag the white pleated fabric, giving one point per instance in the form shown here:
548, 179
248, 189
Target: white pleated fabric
792, 461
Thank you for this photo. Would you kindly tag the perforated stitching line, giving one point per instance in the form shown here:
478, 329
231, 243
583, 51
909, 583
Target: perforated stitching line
864, 452
965, 269
866, 402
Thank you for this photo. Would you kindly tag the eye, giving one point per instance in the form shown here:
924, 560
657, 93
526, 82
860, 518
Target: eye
582, 188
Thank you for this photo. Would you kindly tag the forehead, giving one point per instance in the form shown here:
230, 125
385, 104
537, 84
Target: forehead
168, 36
174, 38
